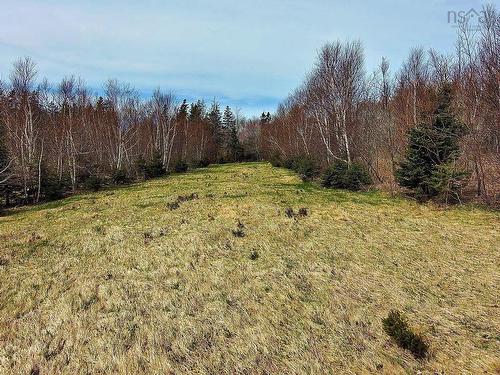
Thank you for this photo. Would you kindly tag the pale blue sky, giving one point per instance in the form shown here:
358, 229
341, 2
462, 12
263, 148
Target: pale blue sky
248, 54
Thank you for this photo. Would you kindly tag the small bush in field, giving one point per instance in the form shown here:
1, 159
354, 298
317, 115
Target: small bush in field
341, 176
93, 183
181, 166
396, 326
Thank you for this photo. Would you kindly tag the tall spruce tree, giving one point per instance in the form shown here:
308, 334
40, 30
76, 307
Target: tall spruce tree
429, 166
183, 112
197, 111
214, 118
234, 150
263, 119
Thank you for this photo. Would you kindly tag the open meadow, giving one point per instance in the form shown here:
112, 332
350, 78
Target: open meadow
210, 272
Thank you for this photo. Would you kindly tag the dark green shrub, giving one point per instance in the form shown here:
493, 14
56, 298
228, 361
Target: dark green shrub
151, 168
304, 165
120, 177
93, 183
52, 187
238, 232
335, 175
275, 161
396, 326
181, 166
341, 176
307, 168
358, 177
448, 182
290, 163
204, 163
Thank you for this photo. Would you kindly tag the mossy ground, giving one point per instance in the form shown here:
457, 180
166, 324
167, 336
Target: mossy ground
116, 282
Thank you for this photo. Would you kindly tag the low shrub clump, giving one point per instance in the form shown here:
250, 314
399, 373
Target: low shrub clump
342, 176
307, 167
151, 168
396, 326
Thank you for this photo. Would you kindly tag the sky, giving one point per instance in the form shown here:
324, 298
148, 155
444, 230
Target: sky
246, 54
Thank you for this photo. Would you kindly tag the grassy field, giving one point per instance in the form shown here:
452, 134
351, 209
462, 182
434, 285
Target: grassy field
122, 281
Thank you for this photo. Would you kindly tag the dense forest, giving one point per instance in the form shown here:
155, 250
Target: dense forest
55, 139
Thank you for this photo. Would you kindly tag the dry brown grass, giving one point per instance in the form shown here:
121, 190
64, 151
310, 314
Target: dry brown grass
116, 282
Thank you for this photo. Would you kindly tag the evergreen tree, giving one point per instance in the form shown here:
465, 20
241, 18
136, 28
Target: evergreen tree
214, 118
429, 167
182, 114
228, 119
265, 118
233, 145
197, 111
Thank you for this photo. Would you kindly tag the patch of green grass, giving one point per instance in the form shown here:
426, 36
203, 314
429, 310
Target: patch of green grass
126, 285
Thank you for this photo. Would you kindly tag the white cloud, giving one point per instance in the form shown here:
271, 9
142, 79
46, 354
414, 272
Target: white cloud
235, 49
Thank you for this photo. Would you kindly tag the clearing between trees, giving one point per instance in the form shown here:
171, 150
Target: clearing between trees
243, 268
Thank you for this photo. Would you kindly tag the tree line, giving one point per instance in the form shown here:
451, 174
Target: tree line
342, 113
57, 139
432, 125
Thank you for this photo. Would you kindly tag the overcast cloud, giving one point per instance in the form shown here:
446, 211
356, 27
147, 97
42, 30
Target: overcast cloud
248, 54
